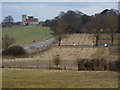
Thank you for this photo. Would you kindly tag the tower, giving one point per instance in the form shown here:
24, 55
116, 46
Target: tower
24, 19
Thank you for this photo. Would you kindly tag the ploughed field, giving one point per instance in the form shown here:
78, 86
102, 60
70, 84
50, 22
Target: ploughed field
88, 39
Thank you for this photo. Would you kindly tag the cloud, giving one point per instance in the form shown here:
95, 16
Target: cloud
59, 0
49, 10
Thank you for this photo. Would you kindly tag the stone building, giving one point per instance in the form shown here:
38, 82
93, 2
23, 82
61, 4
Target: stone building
29, 20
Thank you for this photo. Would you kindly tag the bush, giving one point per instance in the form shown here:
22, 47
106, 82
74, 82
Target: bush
92, 64
7, 41
81, 64
114, 65
57, 61
98, 64
14, 51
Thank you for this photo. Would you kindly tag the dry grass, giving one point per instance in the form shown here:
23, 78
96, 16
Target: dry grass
113, 53
68, 55
78, 39
107, 36
87, 39
114, 50
37, 78
99, 53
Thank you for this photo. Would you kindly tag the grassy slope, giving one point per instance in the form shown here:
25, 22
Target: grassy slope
26, 35
26, 78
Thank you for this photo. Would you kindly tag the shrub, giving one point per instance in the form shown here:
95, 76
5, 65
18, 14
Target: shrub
98, 64
92, 64
114, 65
81, 64
7, 41
14, 51
57, 61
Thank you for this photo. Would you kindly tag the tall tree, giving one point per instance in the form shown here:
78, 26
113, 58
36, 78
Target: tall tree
105, 11
96, 34
85, 19
63, 26
60, 27
8, 21
74, 20
112, 21
47, 23
96, 25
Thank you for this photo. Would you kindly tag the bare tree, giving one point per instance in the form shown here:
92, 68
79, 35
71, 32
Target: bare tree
112, 34
60, 28
112, 21
62, 25
96, 36
7, 41
57, 61
96, 25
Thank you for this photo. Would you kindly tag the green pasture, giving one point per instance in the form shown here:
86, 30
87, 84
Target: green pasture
27, 35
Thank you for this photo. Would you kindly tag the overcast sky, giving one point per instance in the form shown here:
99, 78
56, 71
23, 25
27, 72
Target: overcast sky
48, 10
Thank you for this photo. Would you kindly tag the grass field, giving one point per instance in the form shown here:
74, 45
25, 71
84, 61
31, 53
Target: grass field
38, 78
69, 78
26, 35
68, 55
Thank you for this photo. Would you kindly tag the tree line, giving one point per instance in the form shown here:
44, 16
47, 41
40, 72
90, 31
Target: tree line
78, 22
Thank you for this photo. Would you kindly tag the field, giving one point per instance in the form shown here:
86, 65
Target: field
68, 55
26, 35
43, 60
87, 39
78, 39
22, 72
37, 78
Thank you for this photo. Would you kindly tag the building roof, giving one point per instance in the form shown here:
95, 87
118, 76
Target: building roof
32, 20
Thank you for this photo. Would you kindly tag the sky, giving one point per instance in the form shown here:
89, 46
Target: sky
49, 10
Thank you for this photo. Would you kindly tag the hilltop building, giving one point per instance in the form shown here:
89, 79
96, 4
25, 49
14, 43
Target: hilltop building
29, 20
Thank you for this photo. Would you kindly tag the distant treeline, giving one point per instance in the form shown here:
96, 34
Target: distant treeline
78, 22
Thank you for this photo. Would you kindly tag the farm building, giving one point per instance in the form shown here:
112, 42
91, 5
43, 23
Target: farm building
30, 20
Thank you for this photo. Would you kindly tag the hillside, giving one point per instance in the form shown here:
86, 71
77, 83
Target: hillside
35, 71
68, 54
27, 35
